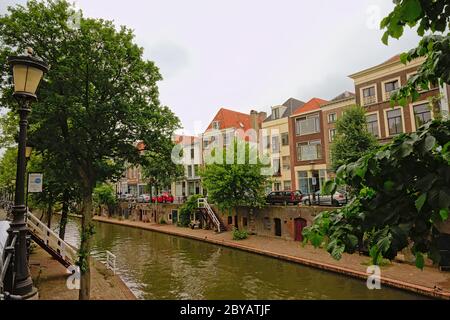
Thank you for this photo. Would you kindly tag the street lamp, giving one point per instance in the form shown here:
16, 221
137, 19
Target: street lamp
28, 152
27, 73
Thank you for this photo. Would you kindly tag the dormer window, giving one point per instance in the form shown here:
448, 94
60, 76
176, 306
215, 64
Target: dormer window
216, 125
276, 113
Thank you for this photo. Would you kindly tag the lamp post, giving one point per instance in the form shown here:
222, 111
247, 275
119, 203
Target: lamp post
27, 73
28, 152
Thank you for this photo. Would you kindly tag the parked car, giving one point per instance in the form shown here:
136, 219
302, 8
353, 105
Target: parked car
284, 197
339, 199
144, 198
164, 197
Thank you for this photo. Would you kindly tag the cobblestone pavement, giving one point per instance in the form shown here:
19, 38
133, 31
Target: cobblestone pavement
430, 281
50, 277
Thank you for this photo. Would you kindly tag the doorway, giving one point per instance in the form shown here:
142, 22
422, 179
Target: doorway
236, 225
277, 222
300, 224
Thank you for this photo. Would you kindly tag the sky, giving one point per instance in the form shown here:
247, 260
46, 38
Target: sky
251, 54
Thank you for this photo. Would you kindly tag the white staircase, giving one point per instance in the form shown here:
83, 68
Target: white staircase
50, 241
203, 204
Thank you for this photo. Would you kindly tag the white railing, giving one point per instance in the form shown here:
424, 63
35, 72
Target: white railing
203, 203
111, 261
51, 239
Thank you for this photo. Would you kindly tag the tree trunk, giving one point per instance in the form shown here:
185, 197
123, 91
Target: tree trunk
87, 230
49, 215
64, 214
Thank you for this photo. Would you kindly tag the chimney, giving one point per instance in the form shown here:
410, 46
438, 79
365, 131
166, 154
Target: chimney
256, 119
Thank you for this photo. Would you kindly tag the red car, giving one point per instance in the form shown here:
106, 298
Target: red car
165, 197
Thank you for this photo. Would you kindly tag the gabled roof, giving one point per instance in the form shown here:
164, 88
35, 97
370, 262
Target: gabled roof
291, 105
231, 119
311, 105
343, 96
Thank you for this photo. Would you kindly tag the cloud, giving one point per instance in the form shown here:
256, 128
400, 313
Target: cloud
170, 57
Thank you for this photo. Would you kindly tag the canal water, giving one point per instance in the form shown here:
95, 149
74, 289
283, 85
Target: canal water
160, 266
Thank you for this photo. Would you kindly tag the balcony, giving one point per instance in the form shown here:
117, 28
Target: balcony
387, 95
308, 126
369, 100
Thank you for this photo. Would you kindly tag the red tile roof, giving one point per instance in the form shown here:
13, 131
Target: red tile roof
231, 119
313, 104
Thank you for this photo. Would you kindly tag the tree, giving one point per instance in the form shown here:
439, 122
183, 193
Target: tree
159, 168
403, 186
187, 209
236, 181
429, 16
404, 194
8, 167
352, 139
99, 97
104, 195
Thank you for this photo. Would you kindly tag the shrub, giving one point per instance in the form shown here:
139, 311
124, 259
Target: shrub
187, 209
239, 235
162, 221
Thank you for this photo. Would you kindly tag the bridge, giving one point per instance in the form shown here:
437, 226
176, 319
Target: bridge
46, 238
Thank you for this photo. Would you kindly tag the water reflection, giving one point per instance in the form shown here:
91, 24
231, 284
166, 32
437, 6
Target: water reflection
159, 266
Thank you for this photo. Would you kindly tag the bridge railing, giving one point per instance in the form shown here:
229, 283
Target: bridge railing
51, 239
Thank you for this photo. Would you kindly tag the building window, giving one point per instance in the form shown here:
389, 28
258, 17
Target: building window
266, 142
286, 163
287, 185
195, 173
303, 181
369, 96
277, 186
230, 220
390, 87
332, 133
372, 124
189, 171
276, 167
216, 125
192, 153
394, 118
244, 221
275, 113
275, 144
307, 125
311, 150
285, 139
332, 117
422, 114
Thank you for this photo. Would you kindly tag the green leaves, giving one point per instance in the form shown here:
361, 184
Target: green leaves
403, 190
420, 201
420, 261
444, 214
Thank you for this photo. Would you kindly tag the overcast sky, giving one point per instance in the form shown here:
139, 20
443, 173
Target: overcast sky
251, 54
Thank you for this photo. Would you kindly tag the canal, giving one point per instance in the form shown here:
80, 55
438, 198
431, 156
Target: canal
159, 266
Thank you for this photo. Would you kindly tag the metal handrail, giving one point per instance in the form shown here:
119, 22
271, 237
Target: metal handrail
203, 203
8, 258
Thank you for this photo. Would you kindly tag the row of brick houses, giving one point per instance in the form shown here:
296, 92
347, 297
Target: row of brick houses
296, 135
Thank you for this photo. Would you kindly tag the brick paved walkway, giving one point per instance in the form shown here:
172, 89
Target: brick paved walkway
429, 282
